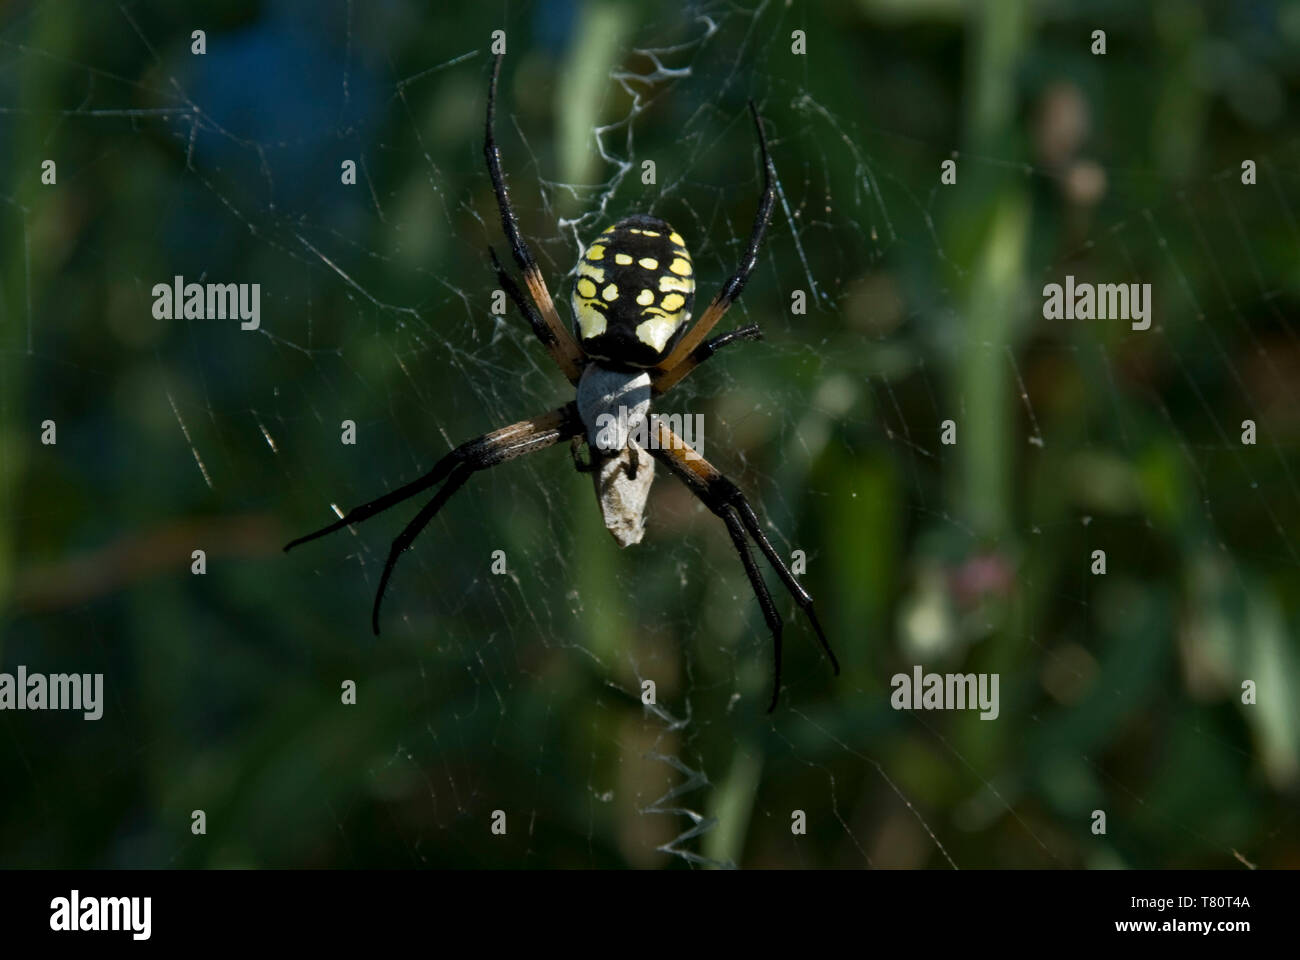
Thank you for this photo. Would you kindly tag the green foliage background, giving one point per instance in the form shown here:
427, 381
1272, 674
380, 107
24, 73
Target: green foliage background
1119, 692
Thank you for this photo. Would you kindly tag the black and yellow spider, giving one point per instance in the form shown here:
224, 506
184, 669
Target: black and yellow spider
632, 306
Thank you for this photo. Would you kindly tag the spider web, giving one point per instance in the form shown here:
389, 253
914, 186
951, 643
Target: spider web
521, 691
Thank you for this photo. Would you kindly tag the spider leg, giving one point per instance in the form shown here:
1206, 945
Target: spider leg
664, 380
486, 451
725, 499
540, 330
413, 529
480, 449
595, 457
559, 342
390, 499
773, 618
801, 596
736, 282
589, 465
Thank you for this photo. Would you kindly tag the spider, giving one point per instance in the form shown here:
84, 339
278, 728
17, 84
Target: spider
632, 304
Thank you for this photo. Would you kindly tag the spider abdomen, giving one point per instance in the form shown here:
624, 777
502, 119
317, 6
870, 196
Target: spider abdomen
633, 294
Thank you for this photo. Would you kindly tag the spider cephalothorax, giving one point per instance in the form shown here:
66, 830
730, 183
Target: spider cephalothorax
632, 301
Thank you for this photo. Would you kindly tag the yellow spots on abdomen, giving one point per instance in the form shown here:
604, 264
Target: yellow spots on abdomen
669, 284
591, 322
680, 266
676, 238
656, 330
645, 298
622, 259
673, 302
650, 263
611, 292
595, 252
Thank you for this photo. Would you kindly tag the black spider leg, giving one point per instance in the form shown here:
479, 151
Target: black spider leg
669, 379
732, 495
595, 456
557, 339
774, 623
391, 499
492, 154
708, 349
736, 282
483, 452
725, 500
403, 541
590, 465
540, 329
489, 456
